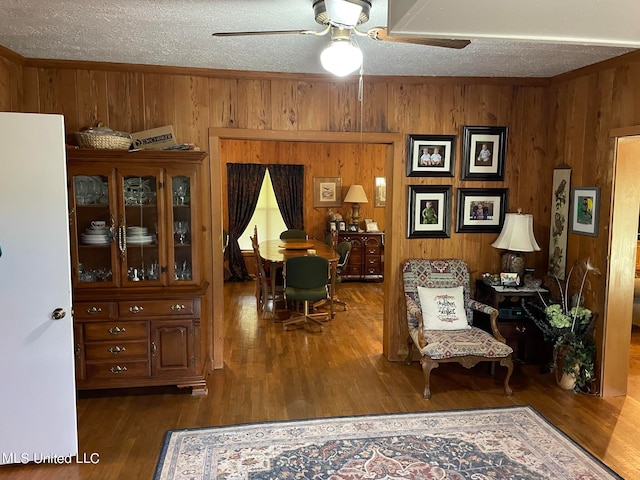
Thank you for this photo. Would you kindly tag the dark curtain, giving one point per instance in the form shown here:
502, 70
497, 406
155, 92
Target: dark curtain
244, 181
288, 186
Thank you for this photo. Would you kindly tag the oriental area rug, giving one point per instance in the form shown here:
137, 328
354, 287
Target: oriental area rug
479, 444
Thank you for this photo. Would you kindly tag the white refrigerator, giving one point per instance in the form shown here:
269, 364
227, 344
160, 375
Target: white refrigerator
37, 381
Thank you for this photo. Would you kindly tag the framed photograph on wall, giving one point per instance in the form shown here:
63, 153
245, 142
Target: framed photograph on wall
585, 204
558, 236
327, 192
429, 211
481, 210
430, 155
380, 191
483, 153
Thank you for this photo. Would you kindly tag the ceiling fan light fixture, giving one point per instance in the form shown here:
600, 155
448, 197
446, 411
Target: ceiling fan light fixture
343, 13
341, 58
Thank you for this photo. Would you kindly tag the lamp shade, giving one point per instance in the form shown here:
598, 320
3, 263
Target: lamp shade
341, 57
517, 234
356, 195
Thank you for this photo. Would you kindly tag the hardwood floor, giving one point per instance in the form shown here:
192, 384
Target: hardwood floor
272, 375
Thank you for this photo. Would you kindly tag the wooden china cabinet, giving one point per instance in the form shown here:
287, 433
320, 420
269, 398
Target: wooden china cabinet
136, 223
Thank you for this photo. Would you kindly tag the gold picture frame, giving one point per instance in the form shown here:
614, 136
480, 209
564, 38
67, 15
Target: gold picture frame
380, 192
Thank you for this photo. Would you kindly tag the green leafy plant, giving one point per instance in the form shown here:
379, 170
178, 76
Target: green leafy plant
569, 326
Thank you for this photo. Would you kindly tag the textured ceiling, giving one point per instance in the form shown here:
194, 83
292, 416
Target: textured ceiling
178, 33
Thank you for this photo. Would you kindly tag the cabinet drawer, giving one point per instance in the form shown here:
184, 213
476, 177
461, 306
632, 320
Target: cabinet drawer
372, 263
514, 330
93, 310
108, 331
157, 308
372, 250
351, 270
115, 370
117, 351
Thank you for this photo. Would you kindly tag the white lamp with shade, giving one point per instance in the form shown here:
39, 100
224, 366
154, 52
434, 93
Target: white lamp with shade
355, 196
516, 237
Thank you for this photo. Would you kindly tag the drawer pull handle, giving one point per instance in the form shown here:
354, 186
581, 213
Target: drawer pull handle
93, 310
521, 329
116, 350
135, 309
118, 369
116, 330
177, 307
154, 349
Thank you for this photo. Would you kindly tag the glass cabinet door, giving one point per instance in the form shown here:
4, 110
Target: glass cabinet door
138, 235
182, 224
93, 230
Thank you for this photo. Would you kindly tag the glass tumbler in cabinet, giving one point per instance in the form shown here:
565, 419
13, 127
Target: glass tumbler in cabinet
182, 228
94, 227
138, 232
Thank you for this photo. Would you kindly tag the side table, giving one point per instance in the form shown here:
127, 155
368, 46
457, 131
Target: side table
518, 330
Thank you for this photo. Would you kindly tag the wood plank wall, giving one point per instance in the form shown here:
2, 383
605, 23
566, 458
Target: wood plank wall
567, 121
586, 106
353, 163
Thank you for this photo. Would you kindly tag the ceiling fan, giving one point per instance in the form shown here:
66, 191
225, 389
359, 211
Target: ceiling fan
341, 18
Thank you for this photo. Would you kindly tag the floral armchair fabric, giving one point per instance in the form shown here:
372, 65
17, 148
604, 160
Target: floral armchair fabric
467, 347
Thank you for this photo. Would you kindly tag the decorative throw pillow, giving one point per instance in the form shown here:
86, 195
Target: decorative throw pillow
443, 308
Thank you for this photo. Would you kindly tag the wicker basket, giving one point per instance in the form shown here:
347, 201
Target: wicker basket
95, 140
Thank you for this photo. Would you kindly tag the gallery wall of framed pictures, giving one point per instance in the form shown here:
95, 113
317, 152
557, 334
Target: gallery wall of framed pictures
478, 210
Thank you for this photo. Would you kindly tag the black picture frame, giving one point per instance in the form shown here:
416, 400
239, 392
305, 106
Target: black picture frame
479, 163
437, 198
443, 166
585, 207
480, 210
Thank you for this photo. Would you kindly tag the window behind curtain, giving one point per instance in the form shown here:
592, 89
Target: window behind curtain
267, 217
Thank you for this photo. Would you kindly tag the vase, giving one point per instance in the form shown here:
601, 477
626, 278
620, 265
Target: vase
566, 381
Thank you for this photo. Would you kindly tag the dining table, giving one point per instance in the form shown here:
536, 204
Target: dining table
276, 252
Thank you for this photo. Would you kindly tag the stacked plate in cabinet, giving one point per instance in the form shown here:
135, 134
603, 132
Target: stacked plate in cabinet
96, 236
137, 235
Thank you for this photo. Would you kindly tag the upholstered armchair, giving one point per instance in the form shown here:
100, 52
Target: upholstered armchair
440, 319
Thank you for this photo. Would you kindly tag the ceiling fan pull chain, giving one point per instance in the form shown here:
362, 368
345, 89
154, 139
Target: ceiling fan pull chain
361, 97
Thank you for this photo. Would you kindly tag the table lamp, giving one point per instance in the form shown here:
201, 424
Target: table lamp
355, 196
516, 237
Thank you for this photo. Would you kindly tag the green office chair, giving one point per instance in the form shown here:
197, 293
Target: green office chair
306, 279
293, 233
344, 250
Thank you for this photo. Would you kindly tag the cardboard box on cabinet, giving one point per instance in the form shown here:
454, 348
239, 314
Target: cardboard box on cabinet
154, 139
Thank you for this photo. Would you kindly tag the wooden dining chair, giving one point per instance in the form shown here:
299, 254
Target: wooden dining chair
265, 295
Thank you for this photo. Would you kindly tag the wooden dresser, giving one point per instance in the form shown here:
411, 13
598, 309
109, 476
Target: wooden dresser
366, 261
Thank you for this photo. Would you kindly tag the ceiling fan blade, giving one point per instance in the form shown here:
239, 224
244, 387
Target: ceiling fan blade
380, 33
271, 32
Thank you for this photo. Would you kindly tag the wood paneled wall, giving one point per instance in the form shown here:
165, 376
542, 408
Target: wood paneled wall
134, 98
10, 81
586, 106
353, 163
